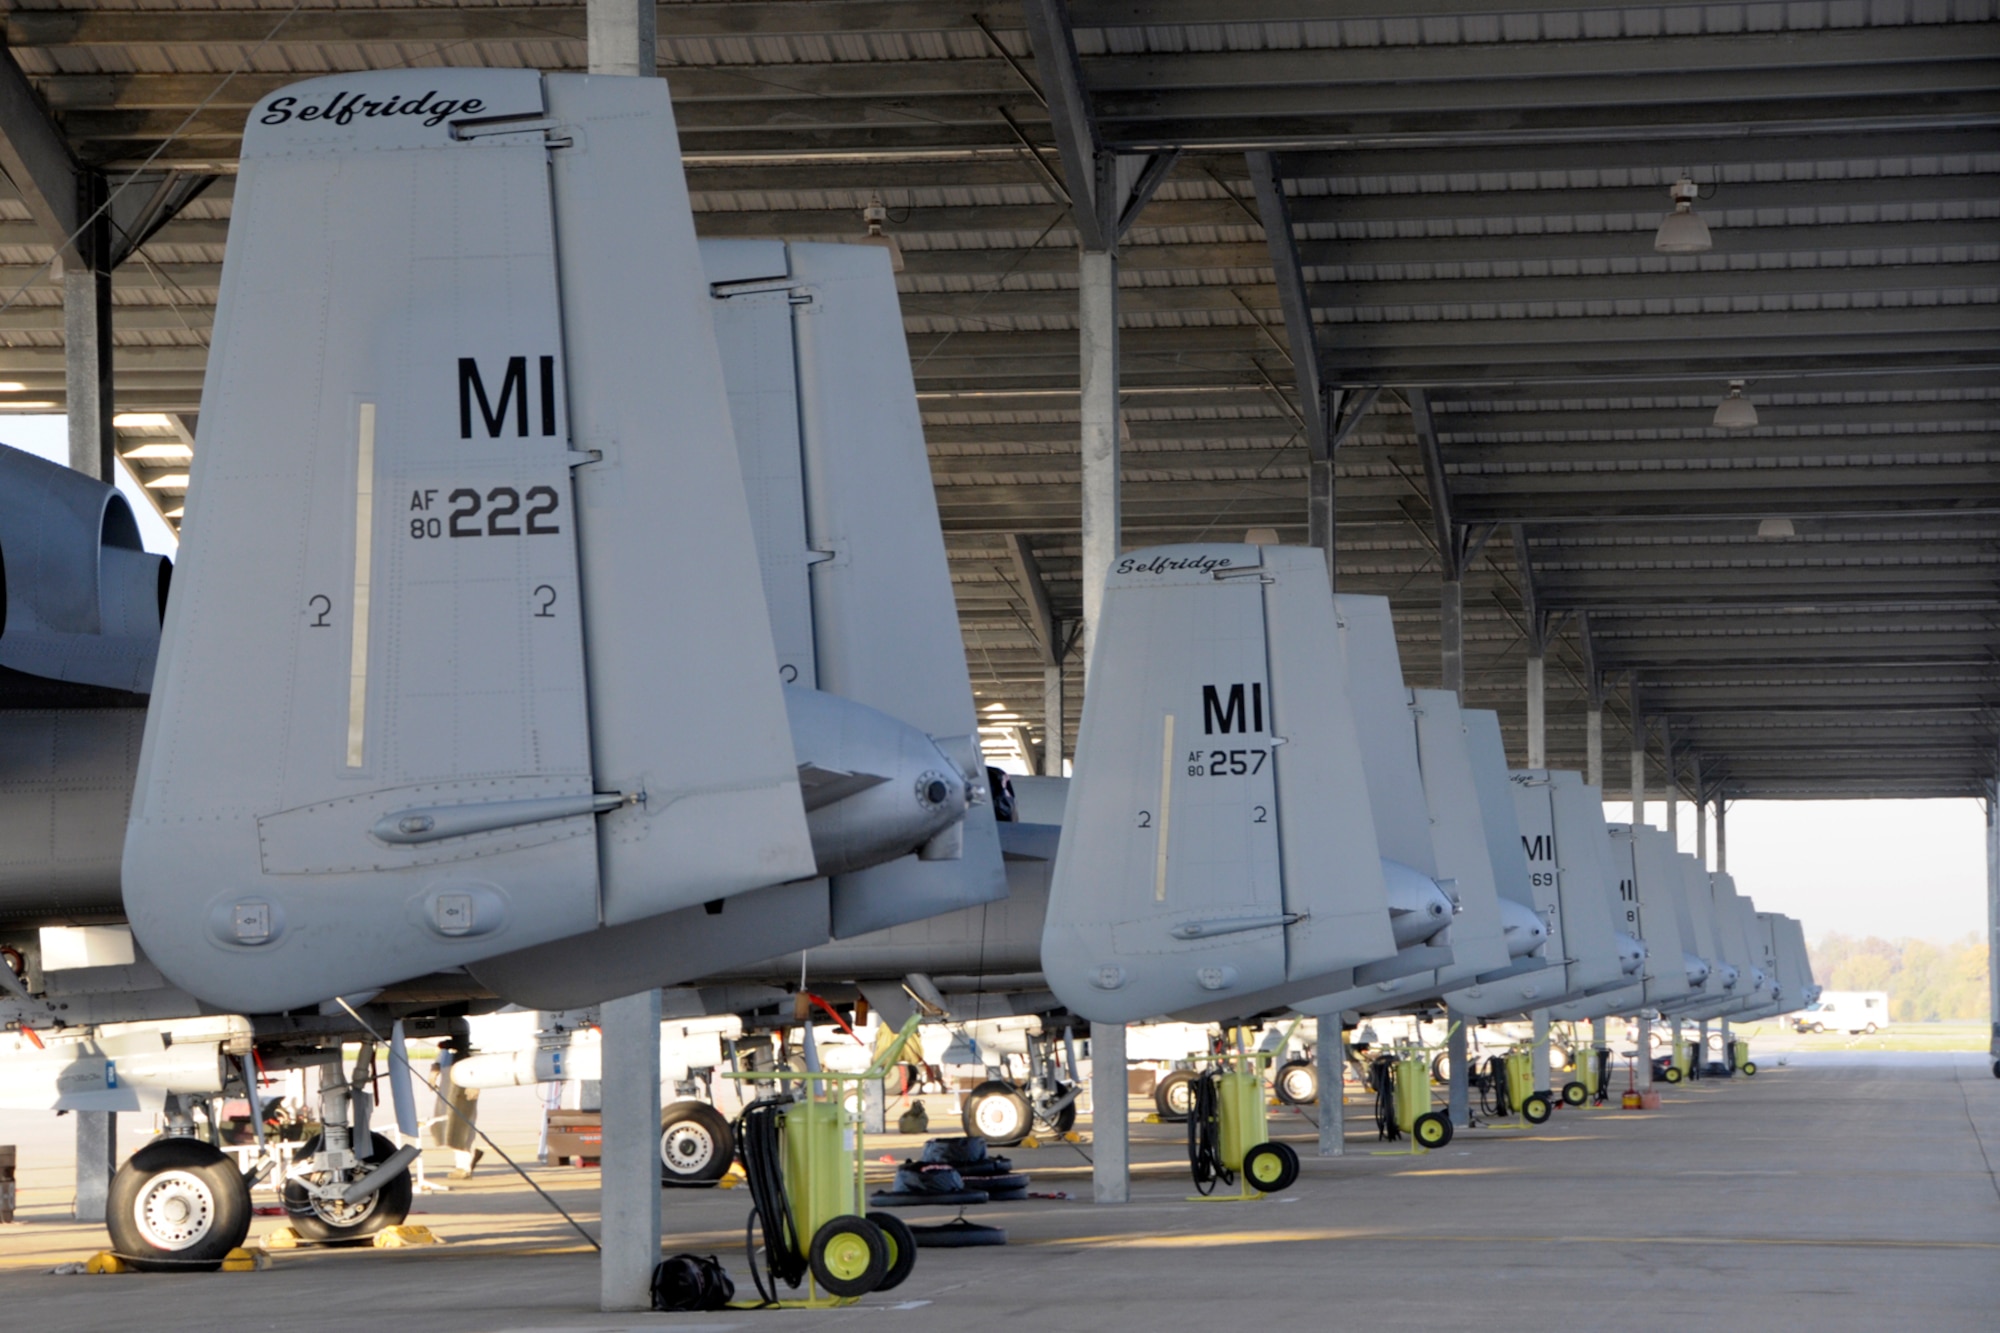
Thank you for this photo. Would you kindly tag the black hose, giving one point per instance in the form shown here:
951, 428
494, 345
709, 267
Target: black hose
761, 1145
1205, 1135
1382, 1080
1497, 1097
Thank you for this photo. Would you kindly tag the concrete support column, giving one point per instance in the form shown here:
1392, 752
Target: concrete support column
1701, 1045
1727, 1038
1451, 634
1538, 748
1638, 773
1993, 916
623, 37
1111, 1129
1539, 1052
1593, 744
1645, 1060
96, 1159
1097, 312
1700, 829
1458, 1068
630, 1193
1330, 1061
1721, 836
87, 347
1052, 720
1319, 513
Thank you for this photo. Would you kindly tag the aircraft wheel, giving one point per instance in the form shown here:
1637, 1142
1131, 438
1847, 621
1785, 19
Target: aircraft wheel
1440, 1068
1575, 1094
1174, 1095
1535, 1108
328, 1221
1271, 1167
177, 1206
1297, 1083
850, 1257
1672, 1075
1063, 1121
902, 1243
695, 1144
1431, 1130
997, 1112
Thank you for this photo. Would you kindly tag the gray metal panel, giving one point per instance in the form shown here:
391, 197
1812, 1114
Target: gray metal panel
1325, 789
65, 788
885, 623
1498, 817
1586, 896
1451, 794
1658, 882
1381, 709
1153, 843
304, 673
684, 697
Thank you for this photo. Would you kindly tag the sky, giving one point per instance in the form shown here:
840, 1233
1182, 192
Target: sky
1888, 868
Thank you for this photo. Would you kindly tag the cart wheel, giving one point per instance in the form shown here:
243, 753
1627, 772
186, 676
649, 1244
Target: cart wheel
1271, 1167
902, 1243
1297, 1083
177, 1206
1672, 1074
1431, 1130
1535, 1108
1750, 1067
850, 1257
997, 1112
695, 1144
1174, 1094
1575, 1094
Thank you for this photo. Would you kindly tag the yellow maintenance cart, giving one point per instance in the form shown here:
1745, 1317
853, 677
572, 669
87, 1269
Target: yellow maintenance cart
1229, 1132
1681, 1064
802, 1155
1739, 1058
1591, 1066
1401, 1082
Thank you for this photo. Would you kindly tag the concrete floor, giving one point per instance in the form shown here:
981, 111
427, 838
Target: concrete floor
1840, 1191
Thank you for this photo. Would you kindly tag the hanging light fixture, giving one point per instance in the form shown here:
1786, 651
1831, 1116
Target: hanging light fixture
1735, 412
875, 215
1682, 232
1776, 529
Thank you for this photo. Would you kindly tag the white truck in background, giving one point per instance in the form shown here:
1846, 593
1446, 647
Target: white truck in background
1851, 1011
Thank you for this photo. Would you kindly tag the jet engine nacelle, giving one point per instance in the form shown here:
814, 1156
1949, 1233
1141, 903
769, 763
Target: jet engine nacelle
875, 787
1419, 910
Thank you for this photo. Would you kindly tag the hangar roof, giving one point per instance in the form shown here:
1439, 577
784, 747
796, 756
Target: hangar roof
1469, 190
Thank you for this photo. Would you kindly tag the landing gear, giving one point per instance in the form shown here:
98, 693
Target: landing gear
1173, 1096
178, 1205
1297, 1083
325, 1218
695, 1144
997, 1112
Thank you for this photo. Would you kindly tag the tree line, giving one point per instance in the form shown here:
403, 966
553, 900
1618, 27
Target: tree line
1925, 981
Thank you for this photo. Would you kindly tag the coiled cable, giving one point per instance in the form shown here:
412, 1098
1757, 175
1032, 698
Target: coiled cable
1205, 1135
760, 1142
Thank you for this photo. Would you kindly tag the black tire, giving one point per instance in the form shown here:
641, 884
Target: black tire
958, 1235
1819, 1027
1575, 1094
1535, 1108
177, 1206
997, 1112
1063, 1121
1431, 1130
1270, 1168
1996, 1069
849, 1257
1672, 1074
1440, 1068
330, 1224
696, 1145
1297, 1083
1173, 1095
1871, 1029
902, 1243
1749, 1068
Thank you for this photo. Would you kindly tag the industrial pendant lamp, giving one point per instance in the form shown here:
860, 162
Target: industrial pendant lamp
1682, 232
875, 215
1735, 412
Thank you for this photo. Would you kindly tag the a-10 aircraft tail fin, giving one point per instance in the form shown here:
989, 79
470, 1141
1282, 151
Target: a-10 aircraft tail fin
1218, 839
466, 649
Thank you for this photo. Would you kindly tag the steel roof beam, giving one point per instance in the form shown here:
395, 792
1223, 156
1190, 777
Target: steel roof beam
1274, 210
